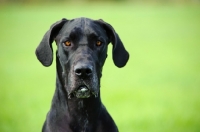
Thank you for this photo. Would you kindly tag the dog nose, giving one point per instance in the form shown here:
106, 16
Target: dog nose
83, 71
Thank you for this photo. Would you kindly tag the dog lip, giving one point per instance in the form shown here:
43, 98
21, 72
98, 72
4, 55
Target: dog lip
82, 87
82, 92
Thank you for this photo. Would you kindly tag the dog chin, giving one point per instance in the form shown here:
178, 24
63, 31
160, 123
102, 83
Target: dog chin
83, 92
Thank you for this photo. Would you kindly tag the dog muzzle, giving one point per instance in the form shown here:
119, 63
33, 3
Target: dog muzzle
83, 92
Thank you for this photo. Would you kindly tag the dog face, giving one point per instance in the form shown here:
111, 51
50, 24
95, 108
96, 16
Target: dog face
82, 50
81, 53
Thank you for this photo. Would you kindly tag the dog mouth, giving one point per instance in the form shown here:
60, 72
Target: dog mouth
83, 92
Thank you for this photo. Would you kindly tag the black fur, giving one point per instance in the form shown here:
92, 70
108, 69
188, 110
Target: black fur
76, 105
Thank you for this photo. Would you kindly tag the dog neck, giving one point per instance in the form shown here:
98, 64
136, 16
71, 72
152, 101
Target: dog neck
81, 114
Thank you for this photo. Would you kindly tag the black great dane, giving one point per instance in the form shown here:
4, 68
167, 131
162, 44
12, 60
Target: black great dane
81, 52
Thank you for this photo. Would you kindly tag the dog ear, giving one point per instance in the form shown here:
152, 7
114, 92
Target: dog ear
44, 51
120, 55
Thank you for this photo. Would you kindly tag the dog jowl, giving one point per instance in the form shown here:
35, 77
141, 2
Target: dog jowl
81, 52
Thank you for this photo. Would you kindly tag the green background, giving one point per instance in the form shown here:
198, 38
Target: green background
157, 91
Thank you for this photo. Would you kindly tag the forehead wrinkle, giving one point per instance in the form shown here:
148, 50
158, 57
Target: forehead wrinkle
75, 32
98, 31
70, 25
83, 27
91, 29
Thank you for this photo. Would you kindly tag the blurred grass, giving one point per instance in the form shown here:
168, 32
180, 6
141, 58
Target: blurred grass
158, 90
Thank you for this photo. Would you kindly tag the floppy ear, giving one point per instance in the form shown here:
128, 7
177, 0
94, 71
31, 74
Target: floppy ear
44, 51
120, 55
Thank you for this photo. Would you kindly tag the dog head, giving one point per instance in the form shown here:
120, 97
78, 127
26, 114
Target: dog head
81, 53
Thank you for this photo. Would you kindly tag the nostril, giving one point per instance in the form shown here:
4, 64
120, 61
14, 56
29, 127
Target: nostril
88, 71
78, 72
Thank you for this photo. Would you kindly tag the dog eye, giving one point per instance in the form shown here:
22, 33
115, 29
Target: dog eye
67, 43
98, 43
